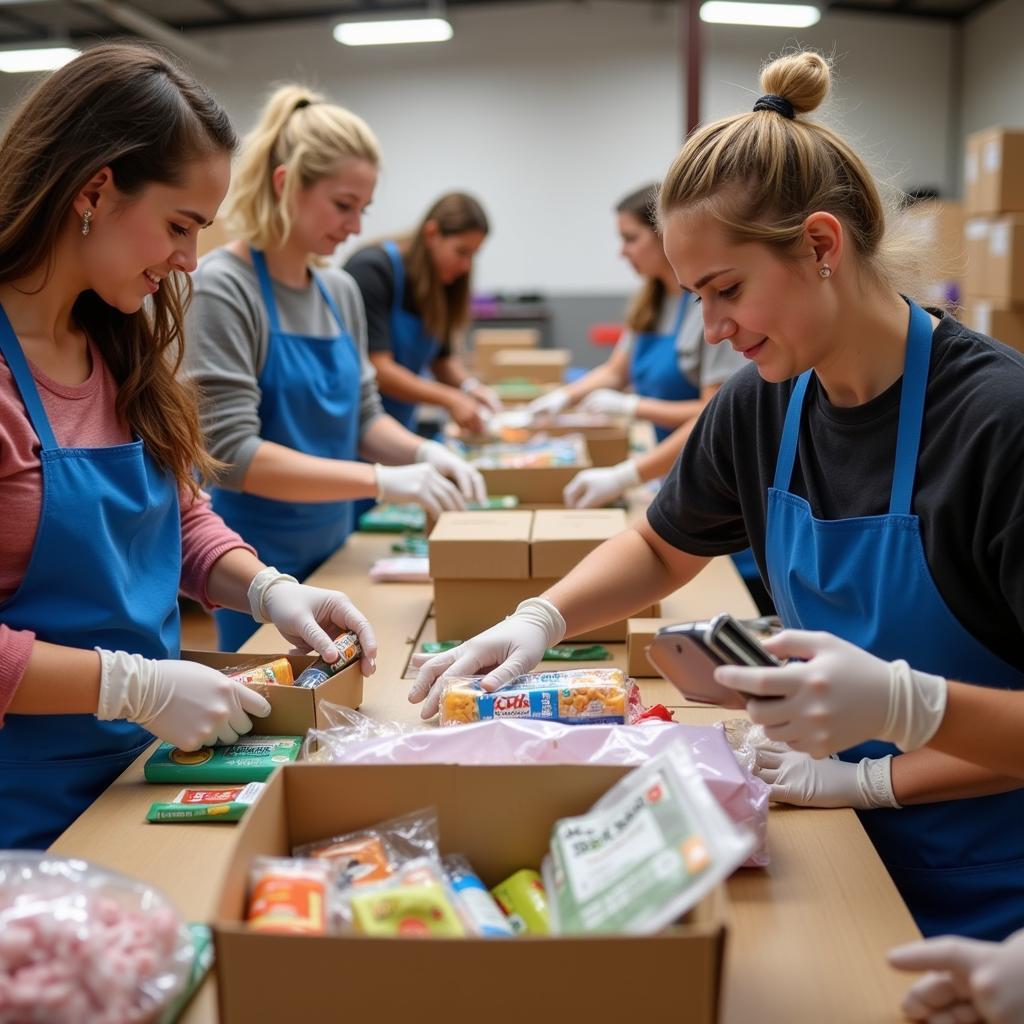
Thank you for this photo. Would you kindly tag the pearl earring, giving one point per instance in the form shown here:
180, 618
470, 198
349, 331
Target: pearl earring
825, 271
86, 222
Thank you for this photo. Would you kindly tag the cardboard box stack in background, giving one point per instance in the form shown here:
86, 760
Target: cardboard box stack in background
536, 365
488, 341
993, 292
938, 226
484, 563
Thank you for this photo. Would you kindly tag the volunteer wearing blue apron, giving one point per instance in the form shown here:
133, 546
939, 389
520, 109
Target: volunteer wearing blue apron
416, 291
873, 455
100, 441
278, 347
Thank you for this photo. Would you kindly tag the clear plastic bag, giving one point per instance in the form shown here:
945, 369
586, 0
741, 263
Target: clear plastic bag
80, 943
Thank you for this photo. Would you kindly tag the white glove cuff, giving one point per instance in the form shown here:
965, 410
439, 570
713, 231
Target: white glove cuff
469, 384
424, 450
261, 583
627, 474
630, 406
124, 685
917, 703
874, 780
541, 612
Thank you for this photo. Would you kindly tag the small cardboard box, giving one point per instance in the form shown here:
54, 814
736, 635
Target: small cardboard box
532, 485
939, 226
488, 341
1004, 266
482, 814
561, 538
541, 365
639, 634
481, 545
294, 710
994, 171
1003, 322
976, 232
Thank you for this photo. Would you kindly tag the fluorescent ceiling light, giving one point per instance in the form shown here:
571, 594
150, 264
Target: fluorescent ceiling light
383, 33
46, 59
726, 12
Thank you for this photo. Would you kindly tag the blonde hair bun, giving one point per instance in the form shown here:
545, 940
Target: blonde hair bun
801, 78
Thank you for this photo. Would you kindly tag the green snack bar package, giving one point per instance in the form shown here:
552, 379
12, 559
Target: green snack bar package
411, 545
202, 961
207, 804
250, 759
412, 518
563, 652
524, 902
646, 852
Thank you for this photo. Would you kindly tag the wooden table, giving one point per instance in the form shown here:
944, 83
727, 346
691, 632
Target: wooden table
809, 933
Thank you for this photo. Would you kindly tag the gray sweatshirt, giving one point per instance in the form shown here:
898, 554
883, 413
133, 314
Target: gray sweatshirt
227, 334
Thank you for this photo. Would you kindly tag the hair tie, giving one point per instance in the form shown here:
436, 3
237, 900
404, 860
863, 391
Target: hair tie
302, 103
776, 104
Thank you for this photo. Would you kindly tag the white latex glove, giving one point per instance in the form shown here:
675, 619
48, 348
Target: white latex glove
969, 980
550, 404
593, 488
504, 651
467, 478
607, 402
180, 702
421, 484
309, 618
486, 396
839, 697
796, 778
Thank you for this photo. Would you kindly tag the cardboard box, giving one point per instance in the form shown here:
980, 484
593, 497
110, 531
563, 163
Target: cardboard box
976, 232
1003, 322
267, 977
488, 341
995, 253
639, 633
994, 171
481, 545
294, 710
939, 227
562, 538
540, 366
532, 485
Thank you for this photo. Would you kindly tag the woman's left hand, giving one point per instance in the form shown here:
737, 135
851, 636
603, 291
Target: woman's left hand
796, 778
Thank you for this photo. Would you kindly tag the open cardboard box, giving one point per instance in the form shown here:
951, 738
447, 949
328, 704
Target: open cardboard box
639, 634
532, 485
672, 976
606, 445
539, 365
294, 710
487, 342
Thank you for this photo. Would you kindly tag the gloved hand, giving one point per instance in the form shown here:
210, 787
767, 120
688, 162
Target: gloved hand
796, 778
593, 488
969, 980
467, 478
839, 697
466, 411
180, 702
422, 484
504, 651
606, 402
550, 404
309, 618
486, 396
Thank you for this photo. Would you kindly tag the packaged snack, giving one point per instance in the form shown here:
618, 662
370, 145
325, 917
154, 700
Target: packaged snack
279, 672
412, 518
287, 895
477, 907
406, 569
411, 545
525, 903
646, 852
575, 696
249, 759
563, 652
540, 451
414, 904
349, 651
207, 804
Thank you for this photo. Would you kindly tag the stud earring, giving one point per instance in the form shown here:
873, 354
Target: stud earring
86, 222
825, 271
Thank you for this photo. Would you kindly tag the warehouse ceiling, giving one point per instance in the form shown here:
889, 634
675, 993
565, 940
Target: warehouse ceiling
24, 21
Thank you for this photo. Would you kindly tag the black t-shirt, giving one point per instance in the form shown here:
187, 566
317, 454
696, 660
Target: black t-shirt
371, 267
968, 490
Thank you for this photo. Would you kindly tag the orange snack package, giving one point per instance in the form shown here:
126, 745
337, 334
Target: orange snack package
288, 895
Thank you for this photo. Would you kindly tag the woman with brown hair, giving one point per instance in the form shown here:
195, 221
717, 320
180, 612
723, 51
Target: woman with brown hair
416, 293
108, 171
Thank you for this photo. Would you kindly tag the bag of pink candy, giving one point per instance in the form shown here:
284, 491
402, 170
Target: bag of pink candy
355, 738
82, 944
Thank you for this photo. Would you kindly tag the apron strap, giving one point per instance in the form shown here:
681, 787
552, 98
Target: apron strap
259, 262
329, 299
10, 348
912, 398
398, 268
791, 434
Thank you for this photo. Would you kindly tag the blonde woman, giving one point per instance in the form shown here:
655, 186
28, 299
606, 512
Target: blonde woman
416, 292
279, 350
872, 452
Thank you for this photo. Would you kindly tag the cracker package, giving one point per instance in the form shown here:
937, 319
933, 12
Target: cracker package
349, 651
207, 804
249, 759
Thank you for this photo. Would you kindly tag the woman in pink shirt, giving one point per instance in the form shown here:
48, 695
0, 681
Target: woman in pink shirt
107, 173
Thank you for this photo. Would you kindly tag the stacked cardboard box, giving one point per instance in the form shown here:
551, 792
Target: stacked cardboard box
993, 294
536, 365
489, 341
484, 563
938, 225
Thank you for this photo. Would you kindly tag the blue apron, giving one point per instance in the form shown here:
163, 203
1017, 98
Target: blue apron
104, 572
411, 346
309, 401
959, 864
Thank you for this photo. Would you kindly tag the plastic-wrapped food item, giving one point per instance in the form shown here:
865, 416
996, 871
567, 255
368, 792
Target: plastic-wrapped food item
248, 759
573, 696
319, 672
524, 900
415, 903
412, 519
404, 569
411, 545
540, 451
207, 804
277, 672
646, 852
563, 652
477, 907
288, 895
79, 943
202, 961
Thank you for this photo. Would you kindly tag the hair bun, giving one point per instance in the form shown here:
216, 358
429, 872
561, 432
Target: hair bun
802, 78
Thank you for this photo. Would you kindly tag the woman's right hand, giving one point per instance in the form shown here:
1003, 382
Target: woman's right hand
420, 484
181, 702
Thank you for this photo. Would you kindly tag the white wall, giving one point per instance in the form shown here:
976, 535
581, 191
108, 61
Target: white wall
550, 112
994, 67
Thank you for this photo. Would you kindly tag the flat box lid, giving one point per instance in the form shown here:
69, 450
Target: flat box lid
513, 357
562, 538
481, 545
